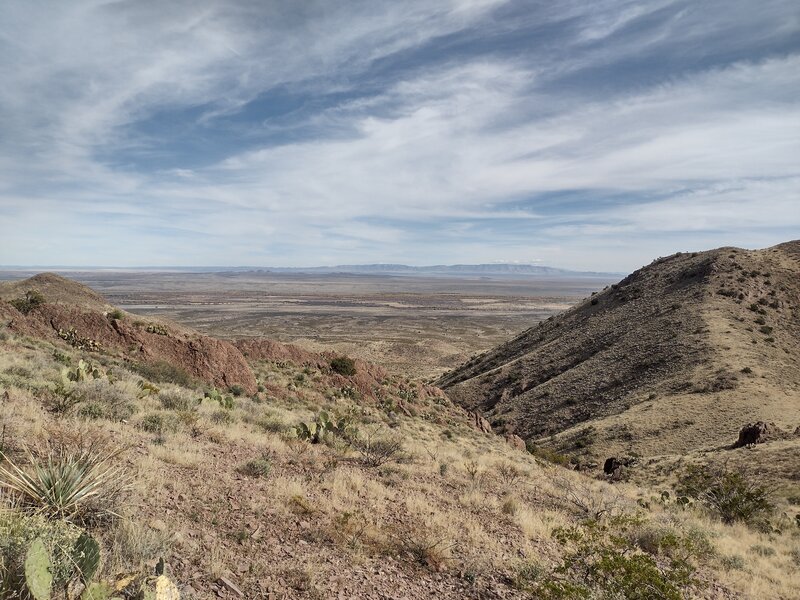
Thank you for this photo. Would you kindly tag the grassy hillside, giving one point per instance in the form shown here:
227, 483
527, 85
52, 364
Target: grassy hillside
399, 496
676, 357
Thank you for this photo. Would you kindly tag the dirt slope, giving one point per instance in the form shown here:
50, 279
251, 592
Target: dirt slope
676, 356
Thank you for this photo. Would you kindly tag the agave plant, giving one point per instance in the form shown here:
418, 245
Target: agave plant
66, 484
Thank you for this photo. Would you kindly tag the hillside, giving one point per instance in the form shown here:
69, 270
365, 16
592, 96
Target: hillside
330, 479
675, 357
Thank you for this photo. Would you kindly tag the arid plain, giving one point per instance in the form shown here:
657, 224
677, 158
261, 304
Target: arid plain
417, 327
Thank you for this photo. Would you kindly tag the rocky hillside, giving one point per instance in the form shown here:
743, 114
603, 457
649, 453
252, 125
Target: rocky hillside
331, 479
676, 356
73, 313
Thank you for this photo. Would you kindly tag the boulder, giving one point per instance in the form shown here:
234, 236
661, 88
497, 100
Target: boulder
516, 441
756, 433
479, 422
614, 465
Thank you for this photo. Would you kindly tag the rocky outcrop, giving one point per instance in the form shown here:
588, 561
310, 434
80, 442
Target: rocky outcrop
214, 361
479, 423
515, 441
756, 433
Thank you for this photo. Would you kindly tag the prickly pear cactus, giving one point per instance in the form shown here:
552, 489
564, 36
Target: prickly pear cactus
98, 591
86, 554
38, 575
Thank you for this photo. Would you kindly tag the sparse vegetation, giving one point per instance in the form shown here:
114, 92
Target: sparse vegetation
387, 467
31, 300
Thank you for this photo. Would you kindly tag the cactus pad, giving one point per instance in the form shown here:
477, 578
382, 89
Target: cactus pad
86, 554
38, 576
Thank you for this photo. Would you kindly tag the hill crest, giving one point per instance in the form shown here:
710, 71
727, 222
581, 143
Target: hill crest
673, 354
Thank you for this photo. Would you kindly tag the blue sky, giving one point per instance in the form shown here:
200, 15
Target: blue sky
590, 135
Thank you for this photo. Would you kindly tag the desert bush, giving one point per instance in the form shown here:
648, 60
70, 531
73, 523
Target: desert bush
135, 544
508, 472
222, 417
225, 401
74, 339
157, 329
258, 467
28, 302
547, 454
80, 486
762, 550
427, 546
510, 506
176, 399
160, 423
593, 503
527, 575
376, 449
164, 372
116, 315
733, 562
92, 411
113, 401
343, 365
270, 424
729, 495
600, 561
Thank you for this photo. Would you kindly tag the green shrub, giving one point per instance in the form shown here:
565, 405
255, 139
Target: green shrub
762, 550
343, 365
92, 410
271, 425
28, 302
114, 401
726, 493
547, 454
601, 561
116, 315
733, 563
258, 467
160, 423
176, 399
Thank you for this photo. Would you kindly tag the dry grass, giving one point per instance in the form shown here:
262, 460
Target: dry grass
490, 509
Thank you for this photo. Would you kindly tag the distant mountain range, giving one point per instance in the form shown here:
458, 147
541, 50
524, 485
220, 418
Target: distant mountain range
505, 269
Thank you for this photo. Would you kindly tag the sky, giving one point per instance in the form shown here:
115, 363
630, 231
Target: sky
591, 135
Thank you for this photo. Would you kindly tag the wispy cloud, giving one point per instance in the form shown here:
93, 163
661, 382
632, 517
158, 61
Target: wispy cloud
593, 135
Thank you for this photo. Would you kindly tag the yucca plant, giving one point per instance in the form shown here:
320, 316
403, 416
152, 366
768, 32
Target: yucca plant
76, 486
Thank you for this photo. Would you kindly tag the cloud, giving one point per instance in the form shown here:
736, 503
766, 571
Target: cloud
462, 131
